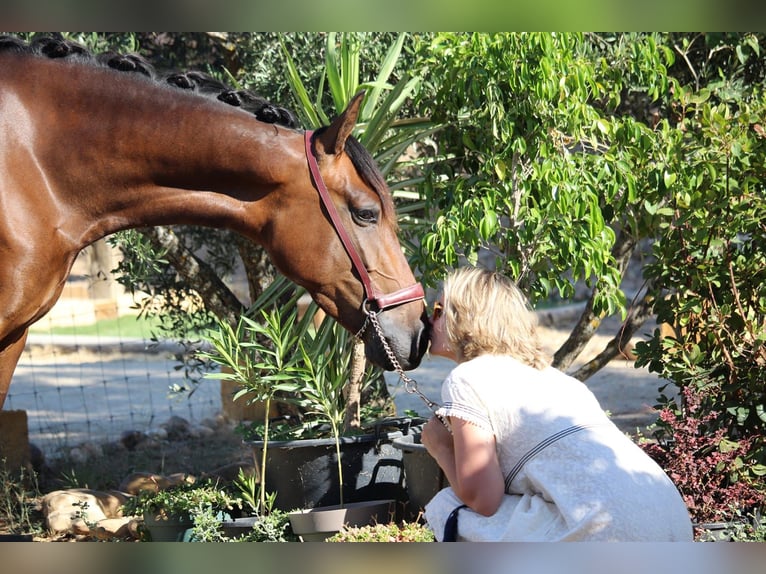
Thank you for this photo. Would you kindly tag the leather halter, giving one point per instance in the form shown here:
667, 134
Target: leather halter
372, 296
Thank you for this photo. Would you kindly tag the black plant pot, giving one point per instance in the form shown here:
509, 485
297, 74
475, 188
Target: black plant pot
304, 473
423, 477
238, 527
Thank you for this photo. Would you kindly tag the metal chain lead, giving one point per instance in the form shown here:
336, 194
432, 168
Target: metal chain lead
410, 385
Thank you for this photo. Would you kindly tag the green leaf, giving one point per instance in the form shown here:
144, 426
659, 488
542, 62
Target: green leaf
315, 116
728, 445
669, 179
488, 225
500, 169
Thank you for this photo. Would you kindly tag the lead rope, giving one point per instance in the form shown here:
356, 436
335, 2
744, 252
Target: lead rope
410, 385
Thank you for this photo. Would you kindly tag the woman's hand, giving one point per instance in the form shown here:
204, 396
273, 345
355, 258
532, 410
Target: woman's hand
437, 440
469, 461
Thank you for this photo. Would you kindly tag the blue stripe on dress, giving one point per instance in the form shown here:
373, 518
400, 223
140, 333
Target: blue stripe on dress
541, 446
467, 412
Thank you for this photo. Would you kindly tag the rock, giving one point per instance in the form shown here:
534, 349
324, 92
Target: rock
37, 458
138, 481
157, 434
79, 526
86, 451
230, 472
177, 428
69, 510
132, 438
202, 431
211, 423
110, 528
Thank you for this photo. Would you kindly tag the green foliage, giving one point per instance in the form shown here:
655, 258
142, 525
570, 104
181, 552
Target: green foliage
711, 260
273, 527
562, 148
542, 168
280, 353
182, 500
19, 491
392, 532
381, 128
741, 528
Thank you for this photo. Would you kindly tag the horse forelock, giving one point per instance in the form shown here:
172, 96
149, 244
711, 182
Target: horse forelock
55, 46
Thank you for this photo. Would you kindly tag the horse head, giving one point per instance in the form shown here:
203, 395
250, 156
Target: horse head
352, 262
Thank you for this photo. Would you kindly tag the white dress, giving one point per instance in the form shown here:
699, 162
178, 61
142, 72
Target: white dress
571, 474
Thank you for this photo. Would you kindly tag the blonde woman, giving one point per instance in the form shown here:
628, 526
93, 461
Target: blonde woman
529, 453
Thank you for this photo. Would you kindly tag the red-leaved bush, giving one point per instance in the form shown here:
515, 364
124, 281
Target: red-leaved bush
704, 465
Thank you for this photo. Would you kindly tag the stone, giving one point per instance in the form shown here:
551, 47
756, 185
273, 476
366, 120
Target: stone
177, 427
202, 431
68, 510
111, 528
230, 472
37, 458
138, 481
157, 434
130, 439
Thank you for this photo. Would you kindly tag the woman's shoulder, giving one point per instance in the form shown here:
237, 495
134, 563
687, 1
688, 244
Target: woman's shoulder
492, 368
504, 370
496, 364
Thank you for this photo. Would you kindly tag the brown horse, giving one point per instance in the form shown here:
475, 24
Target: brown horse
86, 151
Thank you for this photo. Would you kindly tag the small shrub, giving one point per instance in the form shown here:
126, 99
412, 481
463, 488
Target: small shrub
709, 469
19, 508
182, 500
272, 527
404, 532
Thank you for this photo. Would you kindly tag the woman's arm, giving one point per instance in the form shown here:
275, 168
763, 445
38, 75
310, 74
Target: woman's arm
469, 461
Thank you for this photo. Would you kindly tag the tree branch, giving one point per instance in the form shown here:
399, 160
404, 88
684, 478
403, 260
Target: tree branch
353, 390
636, 317
218, 298
588, 323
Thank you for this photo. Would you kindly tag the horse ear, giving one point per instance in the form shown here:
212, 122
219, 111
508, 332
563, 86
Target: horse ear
333, 139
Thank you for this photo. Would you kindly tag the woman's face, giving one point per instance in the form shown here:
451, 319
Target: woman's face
440, 345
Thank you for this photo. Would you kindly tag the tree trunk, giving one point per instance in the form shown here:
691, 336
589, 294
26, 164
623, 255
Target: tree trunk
353, 390
636, 317
259, 270
588, 323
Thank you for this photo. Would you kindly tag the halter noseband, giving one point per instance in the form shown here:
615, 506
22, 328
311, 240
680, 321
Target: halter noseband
372, 297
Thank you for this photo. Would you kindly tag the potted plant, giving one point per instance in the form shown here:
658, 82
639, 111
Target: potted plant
422, 475
391, 532
332, 452
169, 513
326, 454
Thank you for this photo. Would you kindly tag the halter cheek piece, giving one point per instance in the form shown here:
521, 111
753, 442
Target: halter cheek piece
374, 301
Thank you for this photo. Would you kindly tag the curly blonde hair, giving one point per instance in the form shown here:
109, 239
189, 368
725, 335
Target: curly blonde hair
485, 313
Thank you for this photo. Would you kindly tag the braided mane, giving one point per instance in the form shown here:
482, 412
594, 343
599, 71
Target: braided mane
55, 46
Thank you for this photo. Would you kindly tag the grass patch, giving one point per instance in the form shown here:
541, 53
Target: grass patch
126, 326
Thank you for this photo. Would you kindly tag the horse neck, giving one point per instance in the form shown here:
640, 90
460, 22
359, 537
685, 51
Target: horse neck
129, 153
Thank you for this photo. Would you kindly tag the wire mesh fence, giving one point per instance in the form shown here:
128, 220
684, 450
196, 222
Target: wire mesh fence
92, 387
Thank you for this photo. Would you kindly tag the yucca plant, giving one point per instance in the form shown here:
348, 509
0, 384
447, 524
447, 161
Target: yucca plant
380, 128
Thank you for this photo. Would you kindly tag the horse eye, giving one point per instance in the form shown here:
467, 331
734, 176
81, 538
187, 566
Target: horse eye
366, 216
